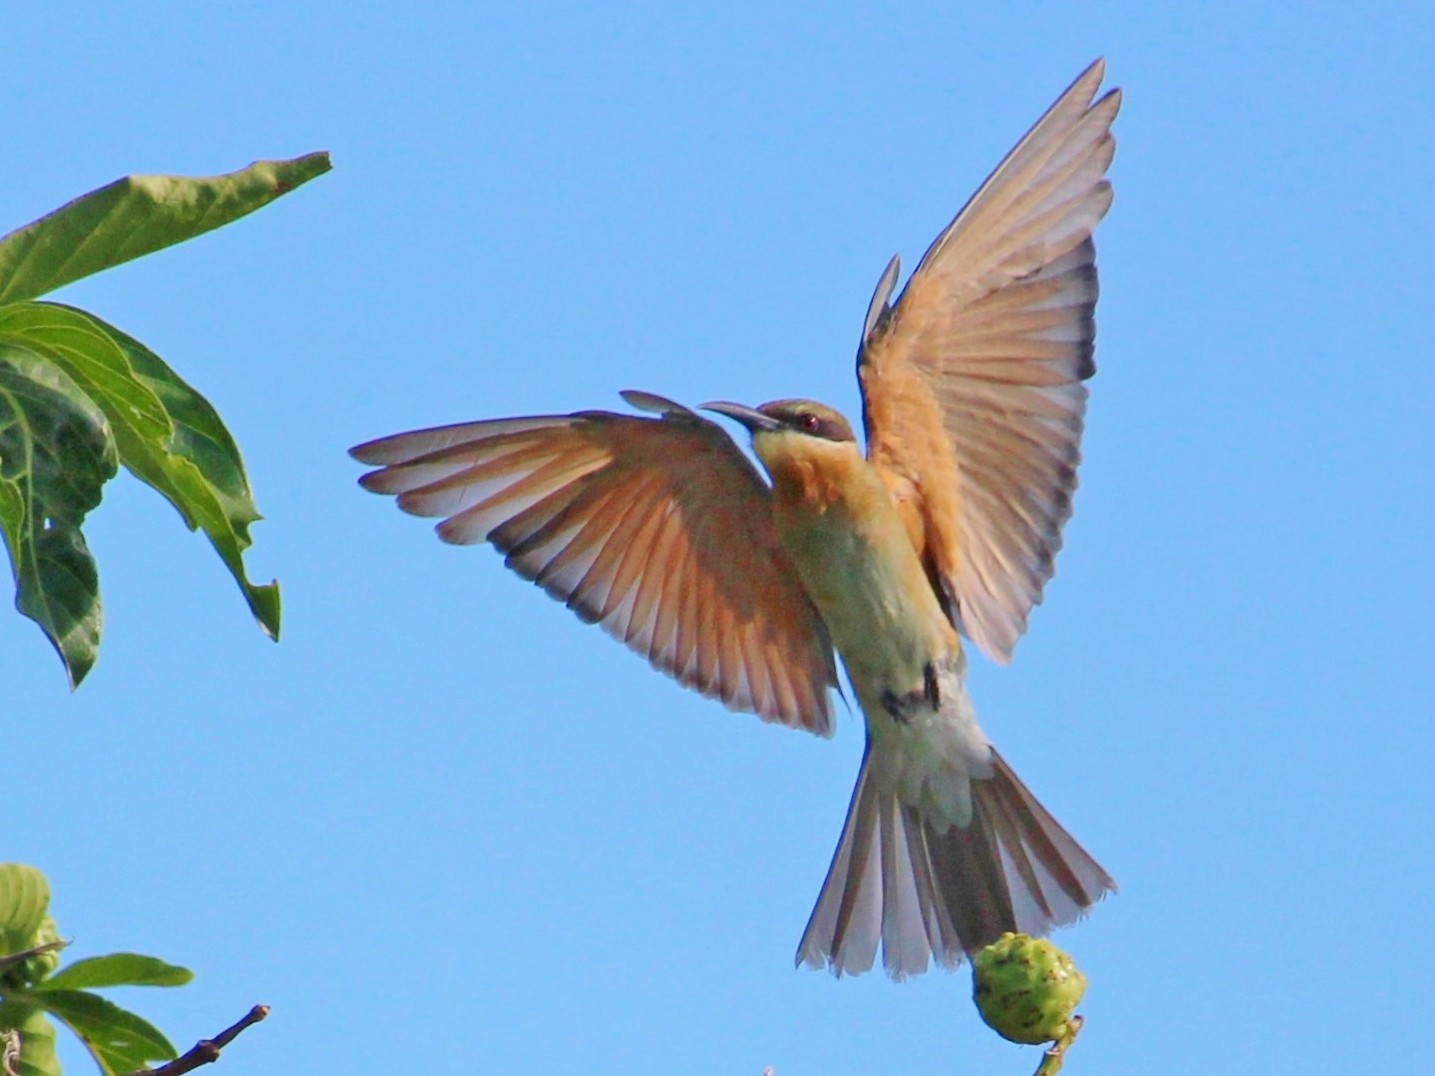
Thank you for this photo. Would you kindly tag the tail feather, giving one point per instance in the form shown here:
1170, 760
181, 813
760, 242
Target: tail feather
930, 891
904, 923
971, 884
858, 893
859, 910
1058, 875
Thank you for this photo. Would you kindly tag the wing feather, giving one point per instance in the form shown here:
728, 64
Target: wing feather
657, 529
972, 382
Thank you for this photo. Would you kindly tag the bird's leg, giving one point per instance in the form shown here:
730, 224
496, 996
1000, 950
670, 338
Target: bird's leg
899, 707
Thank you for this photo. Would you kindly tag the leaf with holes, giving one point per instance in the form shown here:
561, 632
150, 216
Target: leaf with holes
56, 453
167, 434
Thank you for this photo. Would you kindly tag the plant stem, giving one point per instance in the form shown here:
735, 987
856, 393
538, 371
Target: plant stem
1056, 1053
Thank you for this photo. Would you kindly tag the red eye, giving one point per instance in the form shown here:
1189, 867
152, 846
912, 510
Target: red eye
811, 423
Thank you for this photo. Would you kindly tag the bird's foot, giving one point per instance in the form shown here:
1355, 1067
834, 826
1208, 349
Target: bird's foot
900, 707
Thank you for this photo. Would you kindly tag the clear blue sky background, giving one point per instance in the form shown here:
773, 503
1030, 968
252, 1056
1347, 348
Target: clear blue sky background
444, 828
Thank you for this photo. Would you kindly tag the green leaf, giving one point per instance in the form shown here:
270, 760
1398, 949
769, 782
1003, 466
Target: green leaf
116, 969
37, 1038
56, 453
24, 900
135, 216
168, 435
117, 1039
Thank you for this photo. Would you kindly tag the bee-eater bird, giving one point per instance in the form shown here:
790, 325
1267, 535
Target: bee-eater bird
659, 529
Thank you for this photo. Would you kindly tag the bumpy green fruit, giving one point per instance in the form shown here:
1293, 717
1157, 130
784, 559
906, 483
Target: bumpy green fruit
1026, 988
37, 967
30, 971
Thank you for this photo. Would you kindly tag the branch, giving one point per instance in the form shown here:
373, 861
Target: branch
206, 1050
10, 1059
1056, 1053
25, 954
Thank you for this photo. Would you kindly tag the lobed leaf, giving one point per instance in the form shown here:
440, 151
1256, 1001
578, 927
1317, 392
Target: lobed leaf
167, 434
116, 1038
116, 969
138, 215
56, 452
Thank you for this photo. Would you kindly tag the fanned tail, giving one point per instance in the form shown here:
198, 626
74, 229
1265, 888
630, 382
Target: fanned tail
930, 891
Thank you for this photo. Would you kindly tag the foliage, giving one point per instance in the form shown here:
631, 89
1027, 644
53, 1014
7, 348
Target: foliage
79, 398
32, 991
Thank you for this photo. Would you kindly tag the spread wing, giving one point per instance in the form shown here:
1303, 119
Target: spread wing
972, 383
659, 529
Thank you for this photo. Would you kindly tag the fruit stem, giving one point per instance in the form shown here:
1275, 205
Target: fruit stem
1056, 1053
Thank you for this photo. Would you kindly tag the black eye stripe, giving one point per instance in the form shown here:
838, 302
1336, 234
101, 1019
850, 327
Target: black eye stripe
809, 418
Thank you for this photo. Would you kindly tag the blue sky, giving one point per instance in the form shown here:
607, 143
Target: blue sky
442, 826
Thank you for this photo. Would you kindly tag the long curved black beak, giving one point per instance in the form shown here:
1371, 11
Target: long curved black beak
750, 417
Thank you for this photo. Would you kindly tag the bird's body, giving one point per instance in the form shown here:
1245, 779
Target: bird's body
856, 561
838, 523
660, 530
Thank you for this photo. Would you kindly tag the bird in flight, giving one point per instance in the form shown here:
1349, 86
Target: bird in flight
658, 528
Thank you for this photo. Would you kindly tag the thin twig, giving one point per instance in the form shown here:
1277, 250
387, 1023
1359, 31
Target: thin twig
206, 1050
25, 954
1056, 1052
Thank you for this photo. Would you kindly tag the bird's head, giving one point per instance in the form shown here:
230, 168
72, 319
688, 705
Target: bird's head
785, 432
805, 418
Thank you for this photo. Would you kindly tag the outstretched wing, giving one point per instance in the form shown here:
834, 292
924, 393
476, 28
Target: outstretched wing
659, 529
972, 383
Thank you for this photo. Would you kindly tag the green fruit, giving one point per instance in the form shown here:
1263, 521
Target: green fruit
30, 971
38, 967
1026, 988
